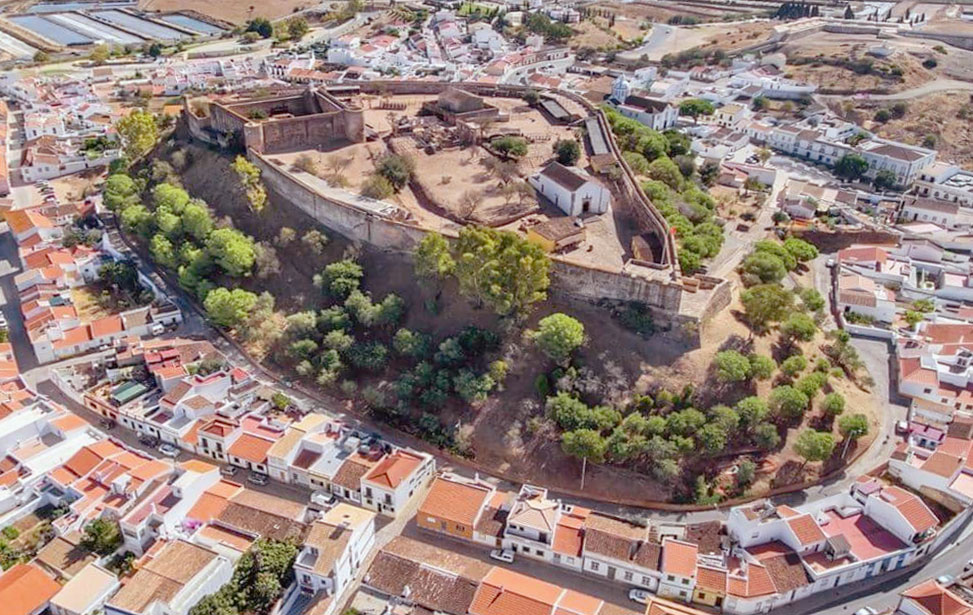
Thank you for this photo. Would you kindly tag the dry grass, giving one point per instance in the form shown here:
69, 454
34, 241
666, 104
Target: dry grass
936, 115
233, 11
86, 303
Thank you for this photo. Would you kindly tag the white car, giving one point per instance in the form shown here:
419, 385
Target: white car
168, 450
503, 555
258, 478
968, 565
945, 579
866, 610
637, 594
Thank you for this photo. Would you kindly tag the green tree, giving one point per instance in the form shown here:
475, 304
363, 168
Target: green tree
685, 422
472, 388
101, 536
261, 26
766, 436
432, 259
814, 446
340, 278
568, 151
559, 335
851, 167
731, 366
751, 411
811, 384
852, 427
695, 107
296, 28
788, 402
229, 308
663, 169
502, 270
761, 367
139, 133
514, 147
793, 365
713, 437
196, 220
799, 326
163, 252
765, 267
811, 299
249, 176
800, 249
746, 471
411, 343
120, 192
584, 444
41, 56
766, 303
833, 404
172, 198
232, 251
100, 54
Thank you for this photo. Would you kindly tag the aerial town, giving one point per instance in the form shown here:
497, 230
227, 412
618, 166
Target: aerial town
486, 307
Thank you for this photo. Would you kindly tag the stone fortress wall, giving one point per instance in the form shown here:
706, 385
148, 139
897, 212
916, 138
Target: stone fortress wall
681, 304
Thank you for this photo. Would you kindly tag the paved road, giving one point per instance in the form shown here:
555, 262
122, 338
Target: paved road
933, 87
659, 36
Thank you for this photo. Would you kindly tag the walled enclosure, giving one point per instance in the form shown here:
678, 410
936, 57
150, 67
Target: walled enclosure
679, 303
316, 118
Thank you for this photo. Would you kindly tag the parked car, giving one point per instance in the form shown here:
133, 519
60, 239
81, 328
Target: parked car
258, 478
3, 321
640, 595
228, 470
324, 499
107, 423
968, 565
147, 440
866, 610
901, 427
168, 450
503, 555
945, 579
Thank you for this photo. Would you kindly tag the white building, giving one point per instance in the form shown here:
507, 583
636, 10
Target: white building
572, 190
182, 573
860, 295
334, 550
393, 482
946, 182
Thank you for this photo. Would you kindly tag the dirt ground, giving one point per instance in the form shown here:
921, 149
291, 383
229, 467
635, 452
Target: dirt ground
660, 11
828, 77
510, 432
233, 11
946, 117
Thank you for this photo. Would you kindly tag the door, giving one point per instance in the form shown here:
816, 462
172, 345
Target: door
612, 571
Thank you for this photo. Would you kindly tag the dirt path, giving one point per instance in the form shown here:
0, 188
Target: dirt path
932, 87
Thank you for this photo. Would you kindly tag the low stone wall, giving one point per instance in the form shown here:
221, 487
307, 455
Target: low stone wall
956, 40
653, 287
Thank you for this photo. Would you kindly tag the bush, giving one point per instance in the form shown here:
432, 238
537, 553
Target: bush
761, 367
568, 151
833, 404
377, 187
398, 170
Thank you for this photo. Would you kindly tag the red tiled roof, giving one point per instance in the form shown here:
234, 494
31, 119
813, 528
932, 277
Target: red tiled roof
392, 470
937, 600
806, 530
25, 589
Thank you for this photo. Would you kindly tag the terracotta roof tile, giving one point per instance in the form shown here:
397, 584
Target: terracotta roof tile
455, 501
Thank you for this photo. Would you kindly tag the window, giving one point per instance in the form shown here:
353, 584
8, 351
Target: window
685, 581
594, 565
670, 577
628, 575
